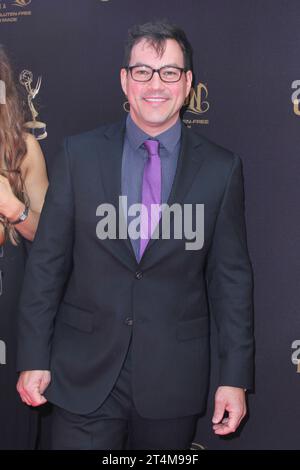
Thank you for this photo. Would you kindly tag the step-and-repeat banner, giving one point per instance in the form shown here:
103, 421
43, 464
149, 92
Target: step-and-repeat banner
67, 55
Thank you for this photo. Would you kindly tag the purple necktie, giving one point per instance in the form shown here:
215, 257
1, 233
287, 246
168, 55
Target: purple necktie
151, 193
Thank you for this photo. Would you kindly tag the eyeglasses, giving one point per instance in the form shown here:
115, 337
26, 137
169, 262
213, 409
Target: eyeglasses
144, 73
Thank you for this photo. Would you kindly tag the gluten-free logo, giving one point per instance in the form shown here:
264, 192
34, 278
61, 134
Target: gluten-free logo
15, 10
197, 104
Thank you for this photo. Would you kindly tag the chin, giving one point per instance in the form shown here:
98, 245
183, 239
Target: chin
150, 120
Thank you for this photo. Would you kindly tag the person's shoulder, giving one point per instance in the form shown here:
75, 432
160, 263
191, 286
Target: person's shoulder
93, 135
34, 155
214, 151
32, 144
221, 162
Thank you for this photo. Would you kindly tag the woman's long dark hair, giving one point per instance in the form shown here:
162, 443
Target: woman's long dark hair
12, 144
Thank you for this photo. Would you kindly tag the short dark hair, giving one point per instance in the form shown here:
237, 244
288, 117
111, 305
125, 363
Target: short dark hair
156, 33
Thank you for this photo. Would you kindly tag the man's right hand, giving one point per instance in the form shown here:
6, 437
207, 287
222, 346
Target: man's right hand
31, 386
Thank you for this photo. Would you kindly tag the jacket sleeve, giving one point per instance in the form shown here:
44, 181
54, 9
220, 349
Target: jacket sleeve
47, 269
230, 285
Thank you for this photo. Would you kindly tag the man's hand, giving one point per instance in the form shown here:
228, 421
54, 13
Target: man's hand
232, 400
31, 386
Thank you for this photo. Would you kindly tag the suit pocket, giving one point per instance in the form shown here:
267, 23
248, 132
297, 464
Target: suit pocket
76, 317
192, 328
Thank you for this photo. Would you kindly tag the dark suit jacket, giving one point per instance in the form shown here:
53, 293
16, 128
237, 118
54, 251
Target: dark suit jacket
83, 297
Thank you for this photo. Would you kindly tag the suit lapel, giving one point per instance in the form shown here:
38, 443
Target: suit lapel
111, 162
111, 177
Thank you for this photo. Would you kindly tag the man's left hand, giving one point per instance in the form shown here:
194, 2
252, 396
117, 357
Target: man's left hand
232, 400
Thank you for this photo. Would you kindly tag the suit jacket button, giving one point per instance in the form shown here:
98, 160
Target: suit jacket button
138, 275
129, 321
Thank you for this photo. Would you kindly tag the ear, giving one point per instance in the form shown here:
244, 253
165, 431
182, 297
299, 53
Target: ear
189, 80
123, 78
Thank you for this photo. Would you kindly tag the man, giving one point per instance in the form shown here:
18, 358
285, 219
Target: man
115, 332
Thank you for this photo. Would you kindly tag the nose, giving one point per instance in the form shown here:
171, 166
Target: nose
155, 81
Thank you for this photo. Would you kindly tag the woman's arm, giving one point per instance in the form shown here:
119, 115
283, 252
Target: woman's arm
36, 183
1, 234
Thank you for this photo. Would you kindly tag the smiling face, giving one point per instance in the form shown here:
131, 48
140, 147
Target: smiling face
155, 105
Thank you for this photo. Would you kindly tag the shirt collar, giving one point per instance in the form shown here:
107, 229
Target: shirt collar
168, 139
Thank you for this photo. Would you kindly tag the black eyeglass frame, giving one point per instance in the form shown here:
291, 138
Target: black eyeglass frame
131, 67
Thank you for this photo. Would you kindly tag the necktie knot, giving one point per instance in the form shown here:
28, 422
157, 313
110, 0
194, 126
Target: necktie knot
152, 147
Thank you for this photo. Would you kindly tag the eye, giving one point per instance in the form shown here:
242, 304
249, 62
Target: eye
170, 73
142, 72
